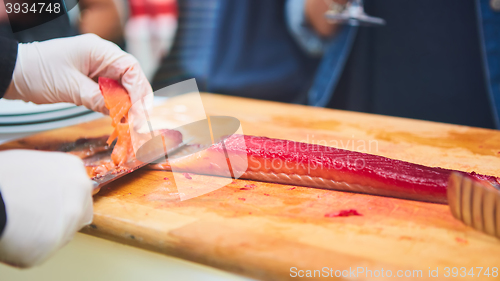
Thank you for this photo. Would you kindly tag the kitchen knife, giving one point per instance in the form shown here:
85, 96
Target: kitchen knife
202, 133
133, 165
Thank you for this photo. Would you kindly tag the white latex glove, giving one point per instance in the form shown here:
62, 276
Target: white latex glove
61, 70
48, 198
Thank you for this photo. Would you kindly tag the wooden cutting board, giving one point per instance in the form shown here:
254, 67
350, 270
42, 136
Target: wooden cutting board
265, 231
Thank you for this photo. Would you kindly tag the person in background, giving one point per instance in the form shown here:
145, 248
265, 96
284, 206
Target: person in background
46, 197
248, 48
433, 60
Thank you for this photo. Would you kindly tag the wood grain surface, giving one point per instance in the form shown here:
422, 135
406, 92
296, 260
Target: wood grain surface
264, 231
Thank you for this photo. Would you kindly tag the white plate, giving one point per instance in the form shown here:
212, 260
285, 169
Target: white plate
9, 129
43, 116
16, 107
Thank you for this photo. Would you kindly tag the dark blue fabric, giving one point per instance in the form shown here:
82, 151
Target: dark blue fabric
252, 55
3, 216
424, 64
193, 43
489, 29
8, 56
331, 67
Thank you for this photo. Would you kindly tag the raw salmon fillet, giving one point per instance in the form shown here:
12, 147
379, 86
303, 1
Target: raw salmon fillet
289, 162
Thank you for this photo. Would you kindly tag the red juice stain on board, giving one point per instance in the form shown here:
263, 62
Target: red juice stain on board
248, 187
266, 194
291, 188
187, 176
242, 199
461, 240
165, 179
343, 213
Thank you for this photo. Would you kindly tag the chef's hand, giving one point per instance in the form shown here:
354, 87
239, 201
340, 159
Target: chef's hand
48, 198
62, 70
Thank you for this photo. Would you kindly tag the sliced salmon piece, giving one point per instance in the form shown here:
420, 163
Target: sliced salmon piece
289, 162
116, 99
118, 103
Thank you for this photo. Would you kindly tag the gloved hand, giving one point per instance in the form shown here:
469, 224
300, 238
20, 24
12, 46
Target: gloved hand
61, 70
48, 198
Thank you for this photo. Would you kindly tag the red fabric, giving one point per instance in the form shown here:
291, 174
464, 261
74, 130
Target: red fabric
153, 7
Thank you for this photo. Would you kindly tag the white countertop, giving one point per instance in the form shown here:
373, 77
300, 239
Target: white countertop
96, 259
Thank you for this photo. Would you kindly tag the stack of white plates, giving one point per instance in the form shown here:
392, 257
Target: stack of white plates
25, 117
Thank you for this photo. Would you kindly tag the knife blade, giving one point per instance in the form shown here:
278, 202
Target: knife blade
132, 166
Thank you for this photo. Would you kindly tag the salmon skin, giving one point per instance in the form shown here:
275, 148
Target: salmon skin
289, 162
